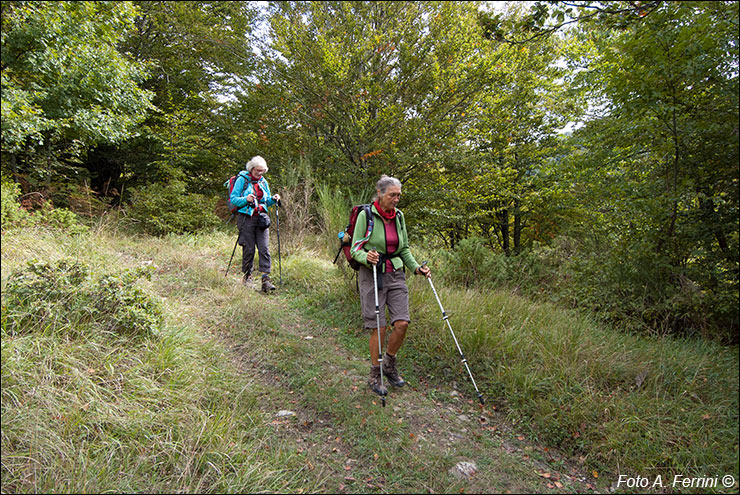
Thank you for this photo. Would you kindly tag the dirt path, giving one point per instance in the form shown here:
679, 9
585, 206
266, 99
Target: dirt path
317, 394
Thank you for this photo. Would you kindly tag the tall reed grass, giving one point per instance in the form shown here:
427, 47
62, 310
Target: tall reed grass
334, 209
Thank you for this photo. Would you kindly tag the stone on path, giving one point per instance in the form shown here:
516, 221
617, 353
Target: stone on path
464, 469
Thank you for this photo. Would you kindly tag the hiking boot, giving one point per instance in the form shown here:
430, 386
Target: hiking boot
267, 284
374, 381
247, 280
390, 372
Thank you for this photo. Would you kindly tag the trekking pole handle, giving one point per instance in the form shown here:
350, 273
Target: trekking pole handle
419, 272
373, 250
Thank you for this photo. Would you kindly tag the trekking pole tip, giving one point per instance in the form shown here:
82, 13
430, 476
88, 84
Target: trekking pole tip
480, 398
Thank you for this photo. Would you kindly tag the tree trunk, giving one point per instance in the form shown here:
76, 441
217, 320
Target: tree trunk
517, 226
504, 227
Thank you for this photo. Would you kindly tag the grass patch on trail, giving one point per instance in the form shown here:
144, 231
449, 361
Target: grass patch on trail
362, 446
191, 406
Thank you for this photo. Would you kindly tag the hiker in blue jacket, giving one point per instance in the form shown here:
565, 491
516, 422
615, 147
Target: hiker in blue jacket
251, 194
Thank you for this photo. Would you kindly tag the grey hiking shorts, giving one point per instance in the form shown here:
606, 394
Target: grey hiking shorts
394, 295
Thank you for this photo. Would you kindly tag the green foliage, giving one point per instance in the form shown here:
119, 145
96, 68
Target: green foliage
161, 209
12, 213
63, 79
334, 208
548, 17
653, 181
62, 298
473, 264
334, 212
201, 57
127, 308
85, 399
639, 291
436, 93
621, 402
371, 87
72, 408
626, 287
297, 212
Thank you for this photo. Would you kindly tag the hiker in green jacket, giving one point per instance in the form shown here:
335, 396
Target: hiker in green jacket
388, 249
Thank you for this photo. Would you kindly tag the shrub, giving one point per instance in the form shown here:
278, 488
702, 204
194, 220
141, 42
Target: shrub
640, 291
14, 215
631, 288
62, 218
473, 264
161, 209
63, 297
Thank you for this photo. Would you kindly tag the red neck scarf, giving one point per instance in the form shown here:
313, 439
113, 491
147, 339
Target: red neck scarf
385, 215
256, 186
257, 192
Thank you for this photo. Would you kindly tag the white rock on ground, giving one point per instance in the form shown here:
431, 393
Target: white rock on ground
464, 469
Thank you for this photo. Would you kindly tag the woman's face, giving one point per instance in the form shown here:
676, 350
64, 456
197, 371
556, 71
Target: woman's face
390, 199
258, 172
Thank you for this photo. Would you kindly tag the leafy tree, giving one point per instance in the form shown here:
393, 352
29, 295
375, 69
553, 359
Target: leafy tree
495, 187
375, 87
546, 18
65, 86
201, 58
515, 133
658, 162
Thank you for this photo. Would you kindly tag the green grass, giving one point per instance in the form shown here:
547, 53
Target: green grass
102, 412
625, 403
192, 407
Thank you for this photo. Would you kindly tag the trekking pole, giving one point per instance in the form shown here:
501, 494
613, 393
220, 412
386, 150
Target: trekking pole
462, 356
277, 217
377, 322
237, 242
232, 256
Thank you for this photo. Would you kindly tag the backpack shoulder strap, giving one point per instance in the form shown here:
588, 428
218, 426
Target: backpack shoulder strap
370, 218
247, 180
401, 219
369, 230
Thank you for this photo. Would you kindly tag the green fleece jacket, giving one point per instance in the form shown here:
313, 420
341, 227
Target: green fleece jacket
377, 241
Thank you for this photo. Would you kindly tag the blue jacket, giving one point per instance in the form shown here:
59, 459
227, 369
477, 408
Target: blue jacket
239, 194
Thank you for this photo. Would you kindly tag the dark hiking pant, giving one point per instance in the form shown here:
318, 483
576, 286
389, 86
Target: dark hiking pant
251, 237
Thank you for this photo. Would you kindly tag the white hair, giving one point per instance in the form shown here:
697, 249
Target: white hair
383, 183
257, 161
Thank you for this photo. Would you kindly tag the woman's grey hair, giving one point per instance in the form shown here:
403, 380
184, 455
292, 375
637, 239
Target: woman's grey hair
257, 161
384, 183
